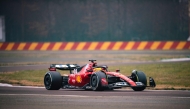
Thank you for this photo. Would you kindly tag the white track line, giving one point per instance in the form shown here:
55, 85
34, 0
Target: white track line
45, 95
83, 96
9, 85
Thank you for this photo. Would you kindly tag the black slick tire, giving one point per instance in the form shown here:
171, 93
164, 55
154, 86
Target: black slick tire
52, 80
96, 81
139, 77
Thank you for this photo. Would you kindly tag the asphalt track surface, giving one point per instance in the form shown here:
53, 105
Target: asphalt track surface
40, 98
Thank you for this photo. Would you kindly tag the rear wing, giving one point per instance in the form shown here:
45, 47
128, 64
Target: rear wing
53, 67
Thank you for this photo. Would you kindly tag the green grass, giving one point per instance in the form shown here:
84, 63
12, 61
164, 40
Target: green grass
28, 77
167, 75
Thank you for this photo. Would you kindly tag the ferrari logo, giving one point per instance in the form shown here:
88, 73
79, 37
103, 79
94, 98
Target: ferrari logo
78, 78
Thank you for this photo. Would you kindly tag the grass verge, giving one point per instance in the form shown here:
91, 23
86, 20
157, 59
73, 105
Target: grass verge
167, 75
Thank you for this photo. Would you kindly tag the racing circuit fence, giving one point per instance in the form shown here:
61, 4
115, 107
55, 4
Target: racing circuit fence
95, 20
131, 45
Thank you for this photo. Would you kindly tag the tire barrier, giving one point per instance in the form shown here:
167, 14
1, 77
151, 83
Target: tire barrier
131, 45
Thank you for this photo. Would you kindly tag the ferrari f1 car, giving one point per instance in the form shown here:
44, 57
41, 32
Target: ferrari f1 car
94, 77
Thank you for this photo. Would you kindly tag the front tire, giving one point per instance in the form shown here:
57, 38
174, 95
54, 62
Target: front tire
139, 77
98, 81
52, 80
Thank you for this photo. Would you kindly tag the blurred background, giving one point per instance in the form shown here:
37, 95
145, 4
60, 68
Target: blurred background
94, 20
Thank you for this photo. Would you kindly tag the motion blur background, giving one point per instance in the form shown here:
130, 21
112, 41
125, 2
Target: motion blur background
95, 20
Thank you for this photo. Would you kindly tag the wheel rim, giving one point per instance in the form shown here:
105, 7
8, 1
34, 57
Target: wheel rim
94, 81
134, 78
47, 81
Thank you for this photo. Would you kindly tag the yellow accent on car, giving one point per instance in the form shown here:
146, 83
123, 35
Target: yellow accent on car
97, 69
78, 78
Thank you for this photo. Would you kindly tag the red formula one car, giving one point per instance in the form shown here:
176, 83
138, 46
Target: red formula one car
94, 77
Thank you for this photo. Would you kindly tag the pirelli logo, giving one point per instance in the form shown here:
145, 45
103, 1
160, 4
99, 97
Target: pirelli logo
141, 45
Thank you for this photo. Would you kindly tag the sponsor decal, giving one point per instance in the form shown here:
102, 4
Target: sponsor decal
139, 84
78, 78
73, 81
75, 71
121, 84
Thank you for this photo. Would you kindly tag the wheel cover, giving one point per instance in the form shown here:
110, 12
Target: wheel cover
94, 82
134, 77
47, 81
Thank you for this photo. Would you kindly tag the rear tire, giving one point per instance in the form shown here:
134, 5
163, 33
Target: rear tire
52, 80
98, 81
139, 77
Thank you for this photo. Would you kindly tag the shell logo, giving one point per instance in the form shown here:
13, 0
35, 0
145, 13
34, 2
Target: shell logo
78, 79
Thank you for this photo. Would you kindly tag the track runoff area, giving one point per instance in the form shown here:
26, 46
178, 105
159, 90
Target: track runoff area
39, 97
